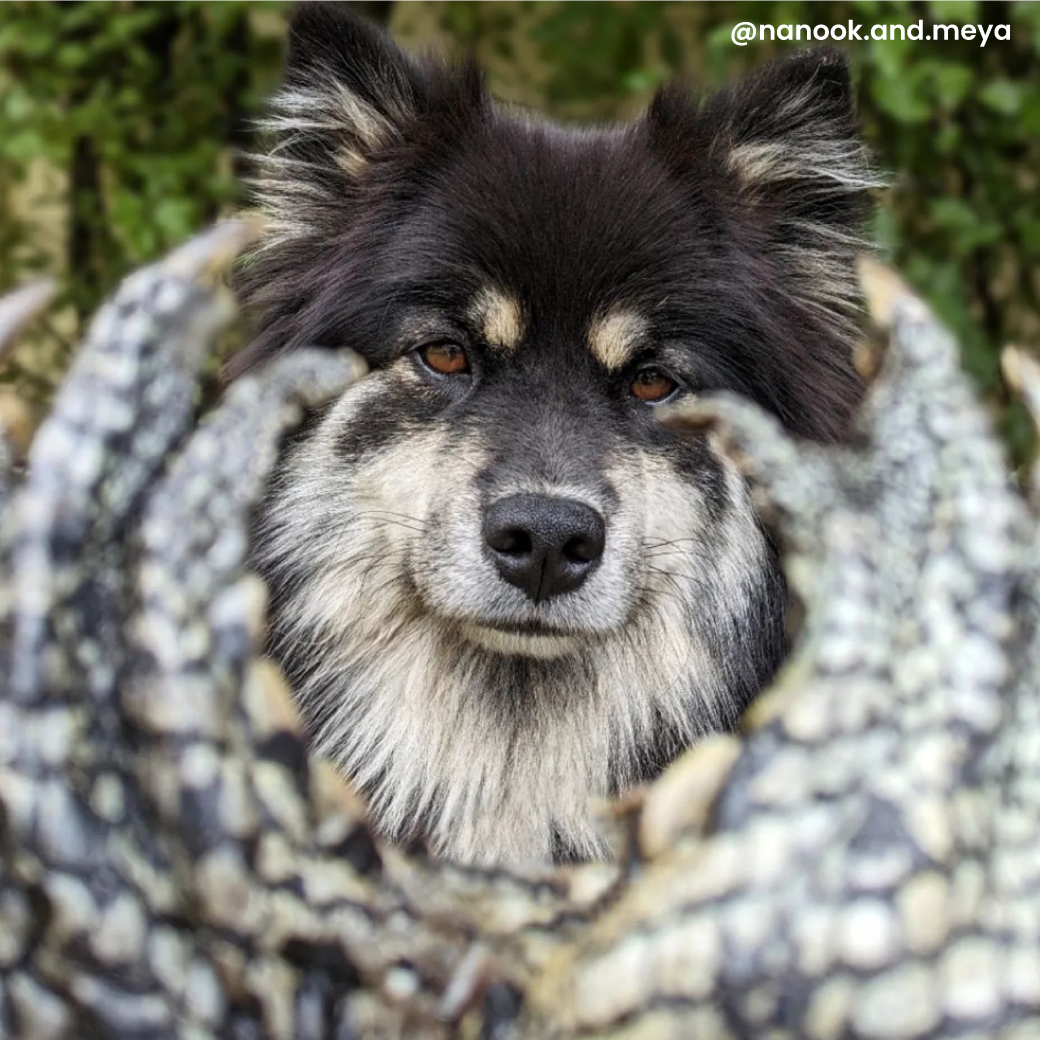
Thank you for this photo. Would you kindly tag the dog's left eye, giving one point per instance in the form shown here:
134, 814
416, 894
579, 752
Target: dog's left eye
653, 385
446, 359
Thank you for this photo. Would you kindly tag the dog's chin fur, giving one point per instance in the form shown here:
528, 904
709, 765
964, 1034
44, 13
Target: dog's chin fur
712, 241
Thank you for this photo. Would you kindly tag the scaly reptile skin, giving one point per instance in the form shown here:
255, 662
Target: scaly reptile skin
863, 861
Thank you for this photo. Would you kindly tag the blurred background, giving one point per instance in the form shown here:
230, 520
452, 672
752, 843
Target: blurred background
126, 125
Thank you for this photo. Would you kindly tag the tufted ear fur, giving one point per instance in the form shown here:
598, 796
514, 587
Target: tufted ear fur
784, 147
350, 99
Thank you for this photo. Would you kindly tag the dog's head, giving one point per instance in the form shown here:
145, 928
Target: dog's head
496, 577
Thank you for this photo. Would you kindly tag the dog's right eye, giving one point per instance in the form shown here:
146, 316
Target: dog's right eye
653, 385
446, 359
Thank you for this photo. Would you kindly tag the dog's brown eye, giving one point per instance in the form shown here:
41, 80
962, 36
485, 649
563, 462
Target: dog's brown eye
652, 385
446, 359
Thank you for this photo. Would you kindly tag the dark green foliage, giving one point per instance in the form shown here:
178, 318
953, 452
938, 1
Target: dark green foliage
121, 128
142, 109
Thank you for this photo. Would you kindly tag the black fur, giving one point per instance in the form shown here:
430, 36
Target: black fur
646, 213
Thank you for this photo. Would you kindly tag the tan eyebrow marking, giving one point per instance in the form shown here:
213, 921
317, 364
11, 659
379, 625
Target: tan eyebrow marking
500, 318
614, 337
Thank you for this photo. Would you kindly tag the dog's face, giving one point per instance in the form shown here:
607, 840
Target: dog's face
500, 586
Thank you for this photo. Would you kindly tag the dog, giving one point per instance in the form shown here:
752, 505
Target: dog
500, 588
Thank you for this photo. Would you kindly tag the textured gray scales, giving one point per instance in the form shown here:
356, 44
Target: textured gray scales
863, 861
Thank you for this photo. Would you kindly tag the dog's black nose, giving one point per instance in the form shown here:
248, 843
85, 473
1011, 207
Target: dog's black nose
543, 545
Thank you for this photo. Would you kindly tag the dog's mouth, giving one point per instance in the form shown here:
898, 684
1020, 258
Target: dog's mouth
528, 628
525, 638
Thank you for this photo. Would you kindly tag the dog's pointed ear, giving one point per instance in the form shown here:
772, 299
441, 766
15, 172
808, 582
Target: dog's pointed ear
349, 89
350, 96
787, 134
784, 145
